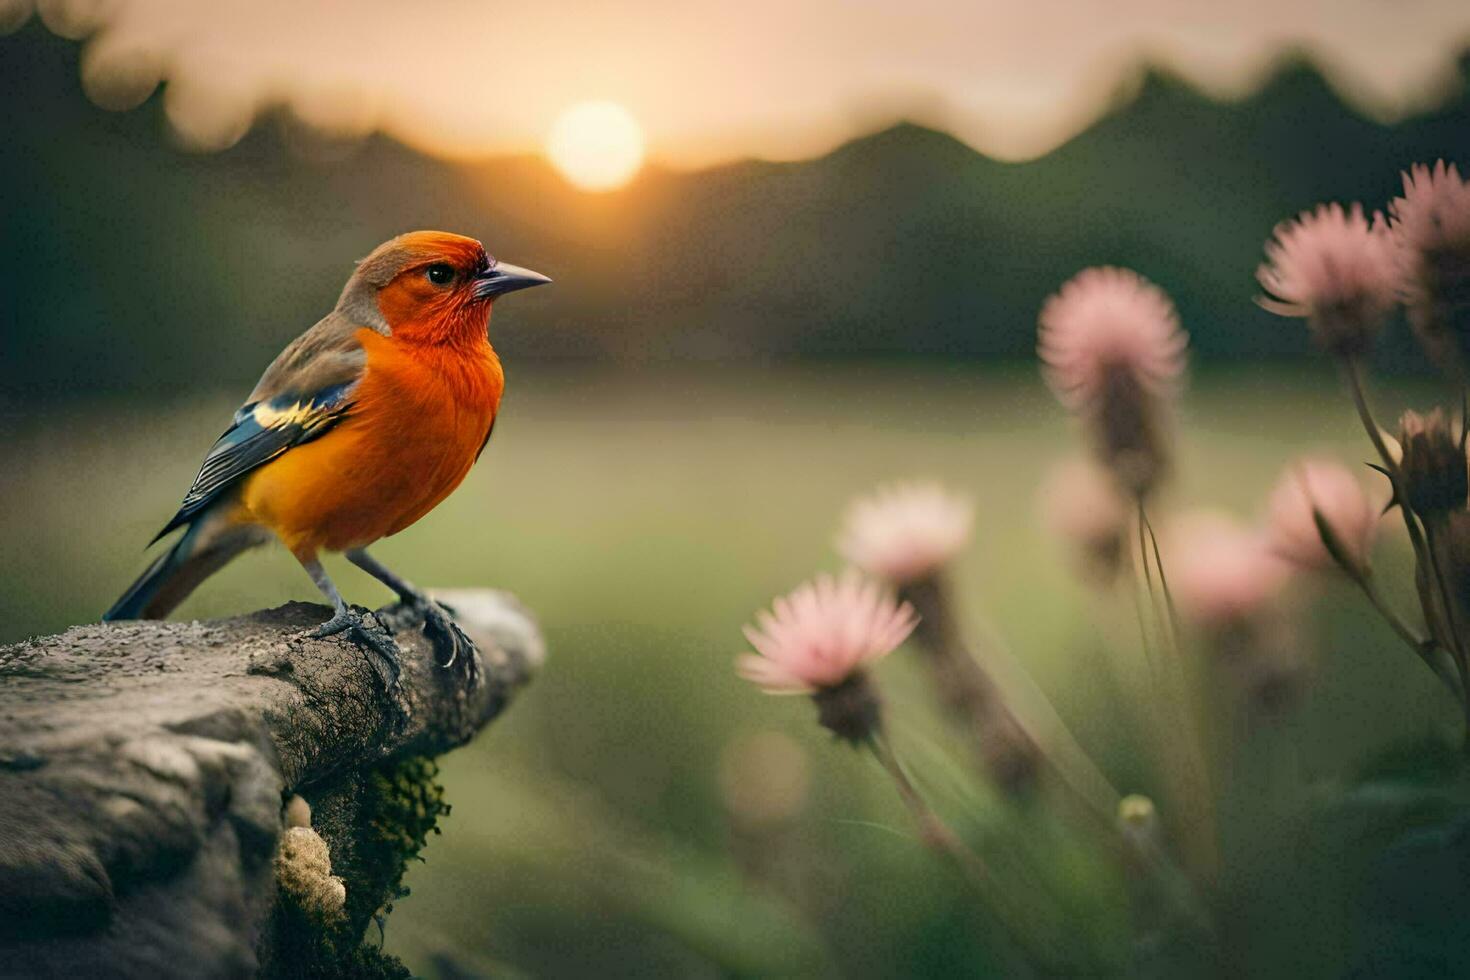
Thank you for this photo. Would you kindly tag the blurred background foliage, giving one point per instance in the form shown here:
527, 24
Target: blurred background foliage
727, 357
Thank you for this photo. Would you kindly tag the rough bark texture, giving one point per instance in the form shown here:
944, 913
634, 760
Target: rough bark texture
143, 768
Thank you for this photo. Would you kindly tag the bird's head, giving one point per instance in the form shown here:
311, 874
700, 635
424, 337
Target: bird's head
431, 286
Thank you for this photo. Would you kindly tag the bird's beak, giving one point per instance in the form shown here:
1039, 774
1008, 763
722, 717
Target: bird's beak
502, 278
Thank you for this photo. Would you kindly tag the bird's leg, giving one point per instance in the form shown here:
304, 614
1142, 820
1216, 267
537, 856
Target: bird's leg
404, 589
449, 640
346, 620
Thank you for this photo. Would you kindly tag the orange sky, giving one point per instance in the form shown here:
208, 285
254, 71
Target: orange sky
712, 81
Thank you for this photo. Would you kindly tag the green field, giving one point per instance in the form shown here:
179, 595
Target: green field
644, 516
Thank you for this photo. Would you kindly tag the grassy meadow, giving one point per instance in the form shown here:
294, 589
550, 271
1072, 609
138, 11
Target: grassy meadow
641, 811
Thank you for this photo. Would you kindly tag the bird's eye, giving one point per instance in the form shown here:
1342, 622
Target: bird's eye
440, 273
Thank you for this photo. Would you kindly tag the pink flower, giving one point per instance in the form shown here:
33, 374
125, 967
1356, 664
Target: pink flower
1112, 350
1330, 489
905, 531
1080, 503
1220, 571
1431, 223
1105, 321
1434, 212
824, 633
1336, 269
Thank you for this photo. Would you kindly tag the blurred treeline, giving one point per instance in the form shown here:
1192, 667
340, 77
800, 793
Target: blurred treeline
124, 260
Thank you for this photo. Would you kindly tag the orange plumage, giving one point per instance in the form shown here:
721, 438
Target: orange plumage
358, 429
423, 413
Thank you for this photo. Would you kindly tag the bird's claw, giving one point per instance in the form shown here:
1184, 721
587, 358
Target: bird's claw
371, 636
452, 646
451, 643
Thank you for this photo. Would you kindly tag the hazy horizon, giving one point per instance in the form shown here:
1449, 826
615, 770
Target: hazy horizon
463, 80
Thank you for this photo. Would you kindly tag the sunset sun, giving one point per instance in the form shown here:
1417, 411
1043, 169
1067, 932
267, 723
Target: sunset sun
598, 146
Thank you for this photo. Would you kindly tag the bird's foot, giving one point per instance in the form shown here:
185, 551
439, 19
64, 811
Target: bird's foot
365, 630
451, 643
452, 646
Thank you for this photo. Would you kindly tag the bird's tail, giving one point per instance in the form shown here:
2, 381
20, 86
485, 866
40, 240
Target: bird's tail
207, 546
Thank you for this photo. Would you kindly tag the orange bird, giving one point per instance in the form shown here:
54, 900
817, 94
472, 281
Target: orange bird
359, 428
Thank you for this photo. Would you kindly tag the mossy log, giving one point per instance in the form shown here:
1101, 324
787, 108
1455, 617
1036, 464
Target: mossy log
144, 769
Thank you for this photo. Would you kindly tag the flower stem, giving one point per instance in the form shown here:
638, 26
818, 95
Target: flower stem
967, 692
1423, 647
938, 837
1353, 368
1159, 563
1424, 550
934, 832
1434, 531
1013, 725
1192, 793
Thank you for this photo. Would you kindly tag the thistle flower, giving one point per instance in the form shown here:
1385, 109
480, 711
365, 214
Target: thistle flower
823, 633
1321, 488
1222, 572
819, 639
1432, 464
1431, 223
1229, 579
1080, 503
1108, 319
1112, 352
1338, 270
905, 531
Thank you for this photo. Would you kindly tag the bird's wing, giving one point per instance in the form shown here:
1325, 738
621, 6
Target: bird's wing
305, 391
327, 354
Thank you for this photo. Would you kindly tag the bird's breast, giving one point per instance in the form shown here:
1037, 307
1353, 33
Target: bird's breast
425, 412
443, 399
419, 418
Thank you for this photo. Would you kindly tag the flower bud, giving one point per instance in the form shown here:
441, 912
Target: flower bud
1319, 516
1433, 467
1137, 817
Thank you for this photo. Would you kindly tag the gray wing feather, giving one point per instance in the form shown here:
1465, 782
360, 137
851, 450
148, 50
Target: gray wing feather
305, 391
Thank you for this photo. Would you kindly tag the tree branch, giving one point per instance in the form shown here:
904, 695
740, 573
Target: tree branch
143, 768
